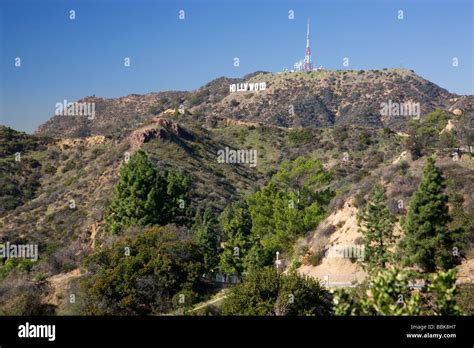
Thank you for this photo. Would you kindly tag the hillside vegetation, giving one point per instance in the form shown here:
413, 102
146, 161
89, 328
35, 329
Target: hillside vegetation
137, 213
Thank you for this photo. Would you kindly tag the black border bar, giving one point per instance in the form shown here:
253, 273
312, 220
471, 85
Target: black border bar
229, 331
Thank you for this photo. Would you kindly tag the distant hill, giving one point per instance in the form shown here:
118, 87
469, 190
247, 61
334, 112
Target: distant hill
304, 99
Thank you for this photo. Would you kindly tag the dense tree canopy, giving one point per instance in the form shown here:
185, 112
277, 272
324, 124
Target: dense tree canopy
144, 197
142, 274
292, 203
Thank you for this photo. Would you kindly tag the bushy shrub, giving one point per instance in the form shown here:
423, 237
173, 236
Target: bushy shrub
142, 274
389, 293
316, 257
465, 298
20, 296
267, 292
299, 136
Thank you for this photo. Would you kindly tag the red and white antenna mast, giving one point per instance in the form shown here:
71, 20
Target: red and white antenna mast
307, 59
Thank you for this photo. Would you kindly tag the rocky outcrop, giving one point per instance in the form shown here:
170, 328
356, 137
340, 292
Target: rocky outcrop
159, 128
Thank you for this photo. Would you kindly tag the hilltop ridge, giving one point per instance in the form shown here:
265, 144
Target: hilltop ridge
302, 99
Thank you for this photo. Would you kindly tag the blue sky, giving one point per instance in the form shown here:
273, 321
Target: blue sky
70, 59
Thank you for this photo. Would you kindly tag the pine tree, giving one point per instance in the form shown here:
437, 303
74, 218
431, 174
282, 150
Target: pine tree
237, 225
293, 202
258, 256
139, 195
428, 242
176, 207
376, 225
206, 237
144, 197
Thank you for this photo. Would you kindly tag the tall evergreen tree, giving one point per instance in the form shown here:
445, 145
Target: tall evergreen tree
428, 242
177, 210
206, 237
139, 195
237, 225
376, 225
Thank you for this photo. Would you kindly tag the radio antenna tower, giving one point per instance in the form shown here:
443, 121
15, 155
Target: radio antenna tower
308, 66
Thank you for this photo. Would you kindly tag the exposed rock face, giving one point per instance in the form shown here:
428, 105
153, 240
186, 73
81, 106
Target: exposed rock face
174, 127
87, 141
144, 135
231, 122
449, 127
160, 128
58, 286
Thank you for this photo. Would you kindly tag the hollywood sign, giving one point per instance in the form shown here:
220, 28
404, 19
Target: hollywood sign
244, 87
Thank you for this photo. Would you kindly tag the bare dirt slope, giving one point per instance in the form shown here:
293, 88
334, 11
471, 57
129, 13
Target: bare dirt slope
337, 269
